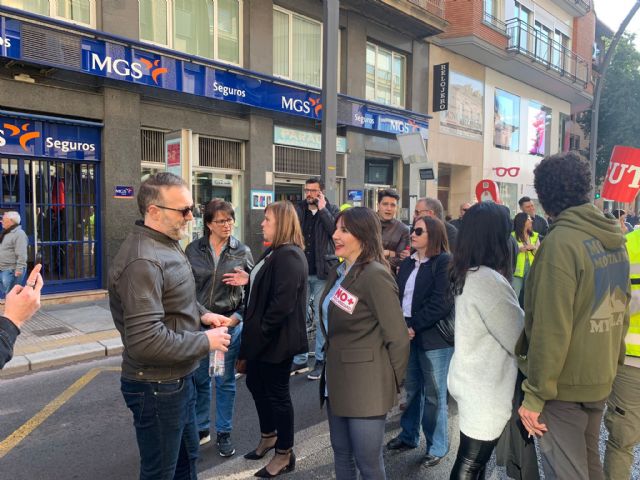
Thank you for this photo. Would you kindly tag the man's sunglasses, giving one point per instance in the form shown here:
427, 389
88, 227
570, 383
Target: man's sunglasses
184, 211
418, 231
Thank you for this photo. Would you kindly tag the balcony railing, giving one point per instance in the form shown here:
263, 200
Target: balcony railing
433, 6
494, 22
540, 48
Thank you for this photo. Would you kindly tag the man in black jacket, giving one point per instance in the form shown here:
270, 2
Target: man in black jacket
540, 225
317, 220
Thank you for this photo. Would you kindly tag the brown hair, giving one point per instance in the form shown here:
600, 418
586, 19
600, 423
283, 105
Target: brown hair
212, 208
364, 224
287, 224
437, 241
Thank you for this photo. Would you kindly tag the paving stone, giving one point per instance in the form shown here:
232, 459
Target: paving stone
87, 319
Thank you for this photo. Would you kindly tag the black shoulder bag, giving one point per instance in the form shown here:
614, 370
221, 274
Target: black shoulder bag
446, 325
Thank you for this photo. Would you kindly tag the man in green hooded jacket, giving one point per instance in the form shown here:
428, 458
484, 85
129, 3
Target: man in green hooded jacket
576, 316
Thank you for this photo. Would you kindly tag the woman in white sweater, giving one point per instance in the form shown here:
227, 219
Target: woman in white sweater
488, 323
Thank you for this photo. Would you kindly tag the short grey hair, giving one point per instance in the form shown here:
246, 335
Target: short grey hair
434, 205
150, 189
13, 216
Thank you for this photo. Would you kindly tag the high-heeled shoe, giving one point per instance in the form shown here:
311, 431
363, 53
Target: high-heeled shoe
254, 455
289, 467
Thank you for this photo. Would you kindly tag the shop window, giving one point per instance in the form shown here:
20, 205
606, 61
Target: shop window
538, 129
506, 121
385, 76
205, 28
565, 132
297, 47
379, 172
82, 12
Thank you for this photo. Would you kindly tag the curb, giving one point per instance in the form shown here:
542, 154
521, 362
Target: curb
57, 357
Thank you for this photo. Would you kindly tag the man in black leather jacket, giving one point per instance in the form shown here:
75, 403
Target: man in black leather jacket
212, 256
317, 220
153, 304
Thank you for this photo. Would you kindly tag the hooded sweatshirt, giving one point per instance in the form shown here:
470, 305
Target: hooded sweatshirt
576, 314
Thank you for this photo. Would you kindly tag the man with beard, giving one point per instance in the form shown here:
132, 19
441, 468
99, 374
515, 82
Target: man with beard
317, 220
395, 234
152, 297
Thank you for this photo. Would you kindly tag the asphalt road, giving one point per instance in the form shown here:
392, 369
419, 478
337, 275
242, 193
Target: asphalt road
71, 423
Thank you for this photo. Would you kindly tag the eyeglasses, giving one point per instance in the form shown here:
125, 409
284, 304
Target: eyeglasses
308, 190
184, 211
226, 221
418, 231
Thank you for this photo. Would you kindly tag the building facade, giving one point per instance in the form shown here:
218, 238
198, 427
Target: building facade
519, 71
97, 94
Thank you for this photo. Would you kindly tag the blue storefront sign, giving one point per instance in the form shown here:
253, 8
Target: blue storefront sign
132, 64
123, 191
39, 138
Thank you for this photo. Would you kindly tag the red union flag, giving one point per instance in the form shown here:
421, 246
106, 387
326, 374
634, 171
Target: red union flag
622, 181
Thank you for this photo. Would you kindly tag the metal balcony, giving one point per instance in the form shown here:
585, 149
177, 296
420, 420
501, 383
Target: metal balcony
576, 8
434, 6
524, 39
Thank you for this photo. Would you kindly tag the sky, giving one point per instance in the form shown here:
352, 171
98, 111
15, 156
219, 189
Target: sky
612, 12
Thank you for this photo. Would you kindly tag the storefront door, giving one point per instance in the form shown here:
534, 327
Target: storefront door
59, 207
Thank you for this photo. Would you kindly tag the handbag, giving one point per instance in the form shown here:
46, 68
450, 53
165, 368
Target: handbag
446, 325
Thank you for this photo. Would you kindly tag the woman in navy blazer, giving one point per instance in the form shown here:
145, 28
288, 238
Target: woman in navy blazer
423, 283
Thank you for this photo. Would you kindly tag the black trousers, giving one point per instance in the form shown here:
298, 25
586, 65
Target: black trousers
472, 458
269, 385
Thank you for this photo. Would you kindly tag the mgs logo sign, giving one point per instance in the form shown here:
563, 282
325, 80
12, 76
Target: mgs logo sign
5, 42
126, 69
302, 106
22, 132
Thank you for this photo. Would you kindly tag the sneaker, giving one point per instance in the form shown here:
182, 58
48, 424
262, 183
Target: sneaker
316, 373
205, 437
298, 368
225, 447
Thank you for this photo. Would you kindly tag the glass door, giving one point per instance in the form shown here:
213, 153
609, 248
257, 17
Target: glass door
58, 205
207, 185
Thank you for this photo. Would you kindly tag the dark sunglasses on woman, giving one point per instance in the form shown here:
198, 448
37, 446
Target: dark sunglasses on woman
418, 231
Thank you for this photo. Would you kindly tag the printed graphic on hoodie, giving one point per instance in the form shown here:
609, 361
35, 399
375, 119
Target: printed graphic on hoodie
611, 272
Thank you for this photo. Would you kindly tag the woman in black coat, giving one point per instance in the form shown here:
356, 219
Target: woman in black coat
423, 283
274, 331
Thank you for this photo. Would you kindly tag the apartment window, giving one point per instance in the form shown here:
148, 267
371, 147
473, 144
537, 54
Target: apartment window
524, 15
205, 28
491, 10
77, 11
297, 47
561, 49
506, 118
543, 41
385, 76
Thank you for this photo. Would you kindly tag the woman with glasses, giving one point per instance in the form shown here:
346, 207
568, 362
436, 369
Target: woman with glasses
423, 281
367, 346
216, 253
528, 244
274, 332
488, 323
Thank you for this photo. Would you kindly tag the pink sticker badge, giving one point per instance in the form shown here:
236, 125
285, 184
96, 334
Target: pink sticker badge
345, 300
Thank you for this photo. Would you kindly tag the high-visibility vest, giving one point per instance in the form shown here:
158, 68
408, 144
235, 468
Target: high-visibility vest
633, 335
523, 256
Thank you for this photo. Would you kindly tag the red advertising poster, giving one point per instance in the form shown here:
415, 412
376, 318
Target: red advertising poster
622, 181
173, 154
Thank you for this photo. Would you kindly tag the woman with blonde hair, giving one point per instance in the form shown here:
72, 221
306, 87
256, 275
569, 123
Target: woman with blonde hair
274, 332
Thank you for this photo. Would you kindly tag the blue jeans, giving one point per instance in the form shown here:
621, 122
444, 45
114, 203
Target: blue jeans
315, 287
8, 279
357, 442
225, 388
426, 387
164, 416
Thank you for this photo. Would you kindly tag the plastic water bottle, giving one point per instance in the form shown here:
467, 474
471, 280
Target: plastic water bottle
216, 363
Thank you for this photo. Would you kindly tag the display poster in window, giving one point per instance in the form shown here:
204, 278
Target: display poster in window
464, 117
260, 199
538, 129
506, 120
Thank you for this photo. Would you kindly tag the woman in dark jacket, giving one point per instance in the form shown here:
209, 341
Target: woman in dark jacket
216, 253
274, 331
423, 281
367, 346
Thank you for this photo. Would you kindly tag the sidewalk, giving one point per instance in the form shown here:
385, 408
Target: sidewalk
63, 334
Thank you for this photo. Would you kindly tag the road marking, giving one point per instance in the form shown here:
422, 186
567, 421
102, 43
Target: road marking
30, 425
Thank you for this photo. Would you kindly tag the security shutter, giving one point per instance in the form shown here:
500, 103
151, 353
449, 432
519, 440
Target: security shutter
219, 153
301, 161
152, 142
